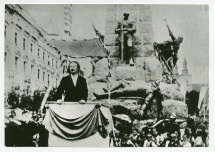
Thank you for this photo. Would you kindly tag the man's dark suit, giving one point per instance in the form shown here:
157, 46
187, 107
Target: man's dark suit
73, 93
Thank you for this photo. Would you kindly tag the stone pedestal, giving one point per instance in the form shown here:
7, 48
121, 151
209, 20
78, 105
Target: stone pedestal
133, 104
127, 72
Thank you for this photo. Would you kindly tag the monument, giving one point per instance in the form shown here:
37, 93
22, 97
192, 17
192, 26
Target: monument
129, 37
134, 66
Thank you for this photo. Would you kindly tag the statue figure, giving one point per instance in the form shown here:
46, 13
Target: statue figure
169, 49
126, 29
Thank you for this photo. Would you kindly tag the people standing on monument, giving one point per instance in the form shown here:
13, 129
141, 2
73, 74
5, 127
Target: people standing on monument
126, 29
154, 94
73, 86
169, 49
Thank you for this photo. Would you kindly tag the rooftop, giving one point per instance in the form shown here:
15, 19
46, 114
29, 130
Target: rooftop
91, 47
197, 87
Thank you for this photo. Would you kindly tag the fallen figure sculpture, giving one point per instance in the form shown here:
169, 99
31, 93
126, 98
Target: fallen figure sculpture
141, 89
148, 91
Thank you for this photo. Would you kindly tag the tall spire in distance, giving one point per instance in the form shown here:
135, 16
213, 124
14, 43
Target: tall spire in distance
185, 70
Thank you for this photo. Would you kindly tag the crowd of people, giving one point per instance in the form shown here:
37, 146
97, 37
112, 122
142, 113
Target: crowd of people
21, 131
192, 132
163, 133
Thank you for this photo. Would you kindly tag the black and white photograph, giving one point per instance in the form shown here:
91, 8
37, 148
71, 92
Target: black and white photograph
106, 75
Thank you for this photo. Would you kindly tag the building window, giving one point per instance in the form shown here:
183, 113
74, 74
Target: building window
56, 64
23, 44
16, 62
52, 62
16, 38
25, 63
31, 47
5, 32
38, 74
32, 69
38, 53
48, 79
43, 76
5, 57
48, 59
43, 56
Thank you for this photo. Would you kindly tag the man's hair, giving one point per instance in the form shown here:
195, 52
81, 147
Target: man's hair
78, 66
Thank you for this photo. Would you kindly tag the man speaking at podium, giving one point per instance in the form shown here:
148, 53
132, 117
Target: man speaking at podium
73, 86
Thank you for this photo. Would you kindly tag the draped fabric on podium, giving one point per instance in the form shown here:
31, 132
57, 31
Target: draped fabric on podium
85, 121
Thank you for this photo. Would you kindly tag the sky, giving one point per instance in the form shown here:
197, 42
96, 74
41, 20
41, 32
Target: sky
189, 21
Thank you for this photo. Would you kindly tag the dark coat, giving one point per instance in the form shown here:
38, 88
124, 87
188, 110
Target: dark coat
72, 93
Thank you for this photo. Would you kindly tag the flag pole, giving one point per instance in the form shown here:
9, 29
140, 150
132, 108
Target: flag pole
101, 38
204, 109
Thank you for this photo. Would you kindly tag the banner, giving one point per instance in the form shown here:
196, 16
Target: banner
78, 124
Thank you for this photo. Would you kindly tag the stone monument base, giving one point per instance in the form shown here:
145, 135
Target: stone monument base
128, 72
133, 104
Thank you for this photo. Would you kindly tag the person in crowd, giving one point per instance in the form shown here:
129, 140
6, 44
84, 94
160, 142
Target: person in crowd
199, 140
173, 141
142, 137
172, 126
164, 138
189, 136
156, 137
115, 138
149, 141
126, 142
149, 125
134, 136
73, 86
185, 142
207, 139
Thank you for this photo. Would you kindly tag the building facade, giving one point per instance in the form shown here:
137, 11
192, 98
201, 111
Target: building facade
30, 60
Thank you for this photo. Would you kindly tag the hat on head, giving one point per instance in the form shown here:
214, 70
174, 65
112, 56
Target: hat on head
173, 135
173, 115
149, 135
